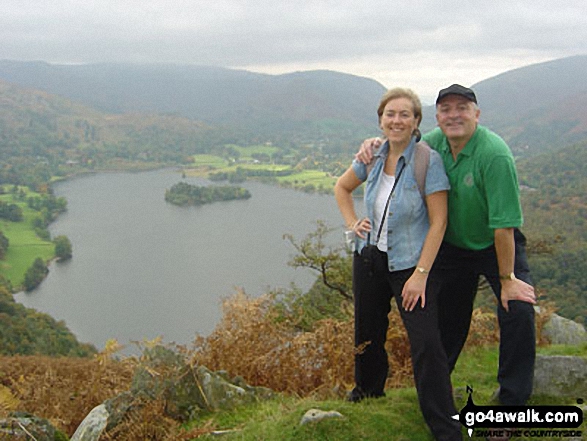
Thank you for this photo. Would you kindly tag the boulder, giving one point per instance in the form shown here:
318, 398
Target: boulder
164, 374
559, 330
315, 415
93, 425
222, 393
560, 376
187, 390
24, 426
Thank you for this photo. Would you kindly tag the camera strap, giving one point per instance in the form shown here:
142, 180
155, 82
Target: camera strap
387, 203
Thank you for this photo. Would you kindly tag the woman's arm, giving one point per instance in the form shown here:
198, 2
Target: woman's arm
415, 287
343, 192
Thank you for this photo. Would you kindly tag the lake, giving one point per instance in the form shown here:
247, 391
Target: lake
143, 268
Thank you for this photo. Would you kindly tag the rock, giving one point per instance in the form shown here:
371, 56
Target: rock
221, 393
560, 376
559, 330
185, 389
188, 390
24, 426
93, 425
165, 374
117, 408
314, 415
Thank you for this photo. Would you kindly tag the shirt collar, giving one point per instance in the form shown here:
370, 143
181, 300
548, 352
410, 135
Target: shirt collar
467, 150
407, 153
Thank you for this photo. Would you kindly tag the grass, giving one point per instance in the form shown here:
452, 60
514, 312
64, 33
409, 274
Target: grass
395, 417
304, 179
248, 151
24, 245
316, 178
210, 161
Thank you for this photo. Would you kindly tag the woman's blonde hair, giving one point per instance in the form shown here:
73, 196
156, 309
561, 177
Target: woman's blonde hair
401, 92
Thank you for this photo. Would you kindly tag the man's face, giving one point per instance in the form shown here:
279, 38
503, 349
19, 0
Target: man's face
457, 118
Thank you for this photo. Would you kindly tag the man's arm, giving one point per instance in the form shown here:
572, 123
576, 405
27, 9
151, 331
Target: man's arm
511, 289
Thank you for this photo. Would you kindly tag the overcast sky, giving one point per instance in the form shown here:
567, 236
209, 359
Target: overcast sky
421, 44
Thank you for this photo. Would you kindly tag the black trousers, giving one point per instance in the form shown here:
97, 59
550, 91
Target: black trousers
373, 287
458, 271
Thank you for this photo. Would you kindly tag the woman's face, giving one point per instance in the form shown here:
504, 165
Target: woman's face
398, 121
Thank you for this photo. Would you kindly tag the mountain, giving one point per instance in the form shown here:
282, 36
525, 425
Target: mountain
216, 96
40, 132
535, 108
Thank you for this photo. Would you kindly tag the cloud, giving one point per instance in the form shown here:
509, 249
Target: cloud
389, 41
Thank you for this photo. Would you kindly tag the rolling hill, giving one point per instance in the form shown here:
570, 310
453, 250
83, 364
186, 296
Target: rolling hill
310, 101
537, 107
534, 108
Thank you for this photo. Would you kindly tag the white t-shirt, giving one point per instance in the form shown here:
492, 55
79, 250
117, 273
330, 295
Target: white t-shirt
385, 187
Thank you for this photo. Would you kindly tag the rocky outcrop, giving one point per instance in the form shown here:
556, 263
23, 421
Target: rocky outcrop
93, 425
24, 426
185, 389
559, 330
560, 376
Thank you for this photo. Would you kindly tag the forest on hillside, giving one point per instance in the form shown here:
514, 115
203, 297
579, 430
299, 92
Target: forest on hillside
554, 199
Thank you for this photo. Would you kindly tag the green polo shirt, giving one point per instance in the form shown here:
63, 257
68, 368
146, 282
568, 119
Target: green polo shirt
484, 192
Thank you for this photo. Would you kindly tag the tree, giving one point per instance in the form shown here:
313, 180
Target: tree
35, 274
63, 250
333, 264
3, 245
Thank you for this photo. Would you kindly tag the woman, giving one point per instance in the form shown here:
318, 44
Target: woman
414, 221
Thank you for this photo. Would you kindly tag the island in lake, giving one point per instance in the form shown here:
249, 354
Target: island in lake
187, 194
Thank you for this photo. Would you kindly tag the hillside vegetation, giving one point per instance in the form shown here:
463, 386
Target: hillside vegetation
300, 106
555, 212
256, 340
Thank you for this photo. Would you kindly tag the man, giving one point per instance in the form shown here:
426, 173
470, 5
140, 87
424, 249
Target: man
482, 238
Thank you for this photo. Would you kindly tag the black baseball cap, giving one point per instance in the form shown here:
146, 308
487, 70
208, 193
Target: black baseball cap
457, 89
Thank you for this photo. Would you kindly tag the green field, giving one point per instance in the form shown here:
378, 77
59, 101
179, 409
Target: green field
304, 179
317, 178
211, 161
24, 245
249, 151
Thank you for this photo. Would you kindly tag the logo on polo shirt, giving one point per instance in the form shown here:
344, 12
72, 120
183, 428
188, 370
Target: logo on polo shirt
468, 179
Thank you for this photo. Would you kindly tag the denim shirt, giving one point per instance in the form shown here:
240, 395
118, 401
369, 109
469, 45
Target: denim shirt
408, 222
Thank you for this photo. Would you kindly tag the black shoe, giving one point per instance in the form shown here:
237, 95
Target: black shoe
357, 395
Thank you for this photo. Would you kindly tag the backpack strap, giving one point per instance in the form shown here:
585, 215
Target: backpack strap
421, 162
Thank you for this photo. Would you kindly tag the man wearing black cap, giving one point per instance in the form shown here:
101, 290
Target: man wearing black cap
482, 238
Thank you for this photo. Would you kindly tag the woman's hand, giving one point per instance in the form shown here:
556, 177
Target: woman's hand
414, 289
361, 227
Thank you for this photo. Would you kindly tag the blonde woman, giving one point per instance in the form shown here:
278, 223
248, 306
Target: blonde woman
396, 244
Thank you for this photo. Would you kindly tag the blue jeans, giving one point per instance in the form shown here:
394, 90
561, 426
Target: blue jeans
458, 272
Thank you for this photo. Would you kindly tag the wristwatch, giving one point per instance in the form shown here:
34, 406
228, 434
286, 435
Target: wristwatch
422, 270
510, 276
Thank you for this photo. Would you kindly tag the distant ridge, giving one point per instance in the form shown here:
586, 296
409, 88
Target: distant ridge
214, 95
535, 107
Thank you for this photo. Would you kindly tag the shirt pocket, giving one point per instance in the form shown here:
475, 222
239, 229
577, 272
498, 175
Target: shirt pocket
410, 204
